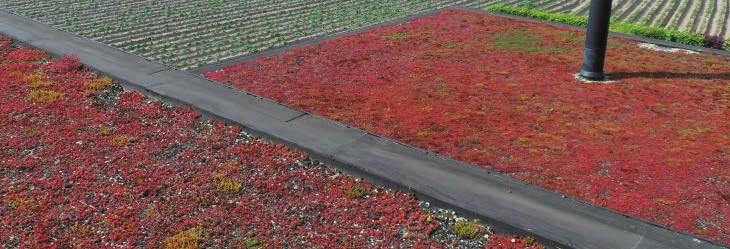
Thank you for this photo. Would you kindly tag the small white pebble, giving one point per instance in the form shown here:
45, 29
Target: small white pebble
514, 240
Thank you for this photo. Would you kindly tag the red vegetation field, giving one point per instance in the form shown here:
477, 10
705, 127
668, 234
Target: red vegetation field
500, 93
84, 165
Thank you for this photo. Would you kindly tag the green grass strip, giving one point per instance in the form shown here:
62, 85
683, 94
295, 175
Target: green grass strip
619, 27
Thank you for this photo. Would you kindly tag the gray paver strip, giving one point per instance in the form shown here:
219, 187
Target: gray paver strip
488, 195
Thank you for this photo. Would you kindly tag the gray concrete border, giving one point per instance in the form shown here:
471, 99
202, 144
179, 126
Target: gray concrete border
492, 196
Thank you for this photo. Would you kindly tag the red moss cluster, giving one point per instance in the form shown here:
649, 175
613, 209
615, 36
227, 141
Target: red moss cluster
500, 93
99, 168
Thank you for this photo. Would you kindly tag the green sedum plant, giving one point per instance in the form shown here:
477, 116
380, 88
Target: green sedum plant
466, 229
619, 27
540, 14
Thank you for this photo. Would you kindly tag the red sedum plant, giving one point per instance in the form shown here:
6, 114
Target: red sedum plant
101, 168
500, 93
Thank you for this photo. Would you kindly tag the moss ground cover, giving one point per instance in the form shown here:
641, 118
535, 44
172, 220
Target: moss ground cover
654, 144
103, 168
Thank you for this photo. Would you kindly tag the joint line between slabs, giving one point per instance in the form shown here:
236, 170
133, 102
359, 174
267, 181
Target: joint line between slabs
297, 117
164, 69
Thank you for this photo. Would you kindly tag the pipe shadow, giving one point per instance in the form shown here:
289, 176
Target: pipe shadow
670, 75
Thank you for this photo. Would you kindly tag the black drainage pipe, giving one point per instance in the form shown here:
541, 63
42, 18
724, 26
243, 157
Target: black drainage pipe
596, 40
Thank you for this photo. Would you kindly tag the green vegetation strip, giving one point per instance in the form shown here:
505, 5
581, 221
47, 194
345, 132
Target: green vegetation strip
619, 27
